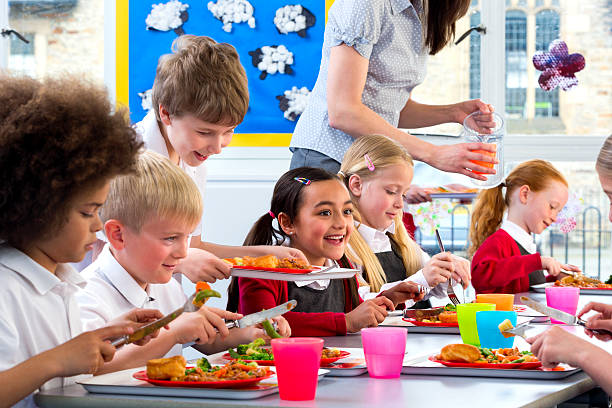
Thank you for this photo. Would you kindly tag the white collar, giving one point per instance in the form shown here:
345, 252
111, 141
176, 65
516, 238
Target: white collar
371, 234
519, 235
319, 283
123, 282
41, 279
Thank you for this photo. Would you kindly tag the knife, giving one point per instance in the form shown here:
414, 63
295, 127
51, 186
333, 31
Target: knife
422, 313
255, 318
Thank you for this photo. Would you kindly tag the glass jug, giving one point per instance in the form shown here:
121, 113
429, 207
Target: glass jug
470, 134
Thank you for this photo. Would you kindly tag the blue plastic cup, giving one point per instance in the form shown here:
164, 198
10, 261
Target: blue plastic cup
487, 324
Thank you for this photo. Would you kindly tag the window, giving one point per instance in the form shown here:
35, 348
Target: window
547, 30
516, 63
474, 57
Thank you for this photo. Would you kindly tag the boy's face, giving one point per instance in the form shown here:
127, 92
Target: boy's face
77, 235
193, 139
151, 255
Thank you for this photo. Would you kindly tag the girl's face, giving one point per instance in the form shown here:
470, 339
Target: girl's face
381, 197
606, 183
542, 207
77, 235
323, 223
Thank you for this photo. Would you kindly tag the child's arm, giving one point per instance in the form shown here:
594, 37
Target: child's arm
84, 354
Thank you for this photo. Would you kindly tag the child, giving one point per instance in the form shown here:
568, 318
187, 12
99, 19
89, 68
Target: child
148, 217
377, 172
200, 95
505, 258
314, 213
57, 155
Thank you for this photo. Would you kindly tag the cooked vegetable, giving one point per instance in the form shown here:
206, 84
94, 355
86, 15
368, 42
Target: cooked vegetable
251, 351
450, 307
203, 292
270, 330
203, 364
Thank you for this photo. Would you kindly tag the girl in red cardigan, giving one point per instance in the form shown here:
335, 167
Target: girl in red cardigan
504, 257
314, 214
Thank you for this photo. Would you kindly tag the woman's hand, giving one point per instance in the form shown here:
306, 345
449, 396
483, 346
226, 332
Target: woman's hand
402, 292
285, 252
368, 314
484, 123
458, 158
201, 265
416, 195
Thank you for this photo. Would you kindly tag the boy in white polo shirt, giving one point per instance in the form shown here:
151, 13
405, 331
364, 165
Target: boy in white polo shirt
57, 155
148, 218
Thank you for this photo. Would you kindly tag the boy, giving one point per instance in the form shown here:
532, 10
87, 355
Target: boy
148, 218
57, 155
200, 95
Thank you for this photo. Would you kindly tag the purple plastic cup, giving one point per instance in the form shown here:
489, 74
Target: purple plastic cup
384, 349
563, 298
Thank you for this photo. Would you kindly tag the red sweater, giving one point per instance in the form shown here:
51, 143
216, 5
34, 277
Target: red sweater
499, 267
258, 294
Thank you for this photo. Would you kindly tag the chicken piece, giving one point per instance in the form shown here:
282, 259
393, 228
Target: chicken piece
166, 368
462, 353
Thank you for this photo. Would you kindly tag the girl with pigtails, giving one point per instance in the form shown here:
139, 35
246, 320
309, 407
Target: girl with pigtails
505, 259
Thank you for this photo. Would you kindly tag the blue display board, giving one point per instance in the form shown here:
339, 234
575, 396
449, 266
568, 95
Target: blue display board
264, 115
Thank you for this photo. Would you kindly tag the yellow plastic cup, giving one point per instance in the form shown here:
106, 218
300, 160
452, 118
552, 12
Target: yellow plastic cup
466, 316
502, 301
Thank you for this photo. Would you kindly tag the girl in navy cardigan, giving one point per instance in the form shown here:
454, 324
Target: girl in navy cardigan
504, 257
314, 214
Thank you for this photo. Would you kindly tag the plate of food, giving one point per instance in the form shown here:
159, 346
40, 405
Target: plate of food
452, 191
271, 263
435, 317
174, 372
587, 285
254, 352
466, 355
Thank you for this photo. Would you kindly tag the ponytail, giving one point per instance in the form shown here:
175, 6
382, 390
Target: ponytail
487, 216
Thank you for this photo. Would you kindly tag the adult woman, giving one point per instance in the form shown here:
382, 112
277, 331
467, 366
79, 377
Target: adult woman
374, 54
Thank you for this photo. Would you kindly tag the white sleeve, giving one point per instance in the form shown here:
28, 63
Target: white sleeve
94, 311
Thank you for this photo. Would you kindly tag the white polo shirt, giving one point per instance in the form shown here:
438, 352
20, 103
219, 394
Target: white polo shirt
111, 291
148, 128
39, 311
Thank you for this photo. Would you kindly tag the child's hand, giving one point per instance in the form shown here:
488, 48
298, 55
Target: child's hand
555, 267
368, 314
462, 271
402, 292
439, 268
202, 326
601, 320
201, 265
556, 346
136, 318
283, 327
86, 353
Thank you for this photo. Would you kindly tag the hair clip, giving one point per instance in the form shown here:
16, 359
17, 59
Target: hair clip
369, 162
271, 214
341, 173
303, 180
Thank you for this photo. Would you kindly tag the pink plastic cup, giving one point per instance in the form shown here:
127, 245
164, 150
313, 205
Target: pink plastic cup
297, 361
564, 298
384, 349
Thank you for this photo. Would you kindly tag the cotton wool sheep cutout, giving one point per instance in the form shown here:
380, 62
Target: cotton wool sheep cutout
271, 59
168, 16
232, 11
293, 102
294, 19
146, 99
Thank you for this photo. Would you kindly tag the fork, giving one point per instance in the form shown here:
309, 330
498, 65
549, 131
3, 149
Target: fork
449, 288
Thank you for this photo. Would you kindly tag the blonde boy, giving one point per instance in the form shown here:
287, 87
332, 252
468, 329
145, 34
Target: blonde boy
148, 218
200, 95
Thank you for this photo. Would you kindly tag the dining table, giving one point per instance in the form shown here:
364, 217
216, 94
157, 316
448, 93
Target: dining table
450, 391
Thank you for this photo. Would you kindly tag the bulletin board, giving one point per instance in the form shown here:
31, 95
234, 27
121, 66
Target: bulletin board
138, 50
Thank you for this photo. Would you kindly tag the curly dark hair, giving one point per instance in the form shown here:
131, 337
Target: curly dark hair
57, 139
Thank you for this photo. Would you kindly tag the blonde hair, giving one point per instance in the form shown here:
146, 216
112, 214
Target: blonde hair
604, 159
157, 188
382, 152
202, 78
491, 204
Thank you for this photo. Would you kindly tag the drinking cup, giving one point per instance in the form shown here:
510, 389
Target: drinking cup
297, 361
563, 298
502, 301
384, 349
487, 323
466, 317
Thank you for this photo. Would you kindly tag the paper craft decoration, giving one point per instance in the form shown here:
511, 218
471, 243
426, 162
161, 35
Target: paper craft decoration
566, 219
232, 11
146, 101
427, 216
558, 66
168, 16
271, 59
293, 102
294, 19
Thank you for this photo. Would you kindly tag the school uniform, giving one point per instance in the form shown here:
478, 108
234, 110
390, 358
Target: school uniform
39, 311
507, 262
391, 260
111, 292
321, 306
148, 129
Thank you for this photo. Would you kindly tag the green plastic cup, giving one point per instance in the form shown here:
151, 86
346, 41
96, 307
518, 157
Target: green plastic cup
466, 316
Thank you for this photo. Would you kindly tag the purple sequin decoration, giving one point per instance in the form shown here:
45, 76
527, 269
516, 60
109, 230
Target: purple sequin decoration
558, 66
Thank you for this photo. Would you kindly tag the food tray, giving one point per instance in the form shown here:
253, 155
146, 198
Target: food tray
121, 382
541, 288
458, 196
350, 366
334, 273
422, 365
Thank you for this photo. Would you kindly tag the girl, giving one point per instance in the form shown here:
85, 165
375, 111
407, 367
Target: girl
505, 259
315, 214
377, 172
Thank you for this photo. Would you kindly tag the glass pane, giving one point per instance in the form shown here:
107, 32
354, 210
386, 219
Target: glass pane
65, 36
547, 30
474, 57
516, 63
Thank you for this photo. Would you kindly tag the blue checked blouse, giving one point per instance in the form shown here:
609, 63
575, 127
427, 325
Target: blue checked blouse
387, 33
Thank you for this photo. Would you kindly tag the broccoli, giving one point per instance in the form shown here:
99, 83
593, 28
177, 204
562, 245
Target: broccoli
609, 280
204, 364
242, 349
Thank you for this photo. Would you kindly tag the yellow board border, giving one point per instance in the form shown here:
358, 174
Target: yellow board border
122, 58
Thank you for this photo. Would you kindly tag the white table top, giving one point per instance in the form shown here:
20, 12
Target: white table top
432, 391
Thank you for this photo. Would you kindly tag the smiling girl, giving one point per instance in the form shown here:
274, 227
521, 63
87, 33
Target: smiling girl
315, 214
505, 259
